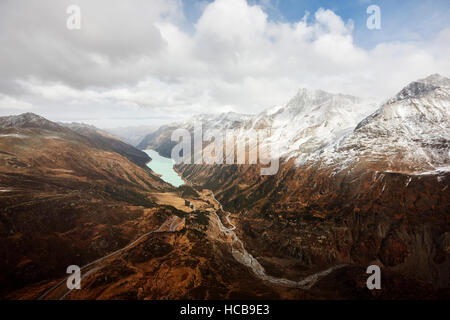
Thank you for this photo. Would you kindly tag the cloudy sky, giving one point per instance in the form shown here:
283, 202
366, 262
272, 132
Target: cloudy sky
147, 62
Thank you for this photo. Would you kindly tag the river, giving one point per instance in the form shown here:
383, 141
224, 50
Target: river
244, 257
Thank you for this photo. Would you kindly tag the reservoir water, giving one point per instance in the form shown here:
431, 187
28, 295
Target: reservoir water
164, 167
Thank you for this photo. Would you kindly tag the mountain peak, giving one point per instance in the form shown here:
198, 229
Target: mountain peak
27, 120
309, 99
422, 87
310, 94
30, 116
436, 80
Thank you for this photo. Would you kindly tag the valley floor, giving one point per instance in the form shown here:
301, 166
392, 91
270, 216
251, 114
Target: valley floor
198, 255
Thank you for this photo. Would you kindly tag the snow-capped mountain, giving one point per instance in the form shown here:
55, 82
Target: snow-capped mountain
160, 140
308, 122
312, 119
409, 133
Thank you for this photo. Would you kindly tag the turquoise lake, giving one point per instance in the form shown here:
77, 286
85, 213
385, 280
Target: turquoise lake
164, 167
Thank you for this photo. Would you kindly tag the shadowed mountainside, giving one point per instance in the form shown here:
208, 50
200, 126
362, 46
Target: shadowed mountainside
105, 141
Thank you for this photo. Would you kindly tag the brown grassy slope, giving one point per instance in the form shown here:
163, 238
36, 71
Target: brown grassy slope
65, 201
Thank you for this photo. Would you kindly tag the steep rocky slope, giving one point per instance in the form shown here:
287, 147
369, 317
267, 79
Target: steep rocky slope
103, 140
410, 133
160, 140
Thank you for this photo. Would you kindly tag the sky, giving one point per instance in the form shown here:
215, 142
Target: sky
151, 62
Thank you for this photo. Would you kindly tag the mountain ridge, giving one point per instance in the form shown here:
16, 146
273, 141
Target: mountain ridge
409, 132
308, 122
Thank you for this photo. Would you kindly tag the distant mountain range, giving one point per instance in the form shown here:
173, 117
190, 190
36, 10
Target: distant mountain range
132, 135
308, 122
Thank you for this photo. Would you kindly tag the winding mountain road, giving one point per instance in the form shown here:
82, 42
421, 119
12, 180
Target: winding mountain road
59, 291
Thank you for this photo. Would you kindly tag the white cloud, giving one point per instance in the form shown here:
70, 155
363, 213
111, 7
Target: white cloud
10, 104
137, 59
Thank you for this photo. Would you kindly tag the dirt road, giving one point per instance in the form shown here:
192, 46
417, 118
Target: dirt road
59, 291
